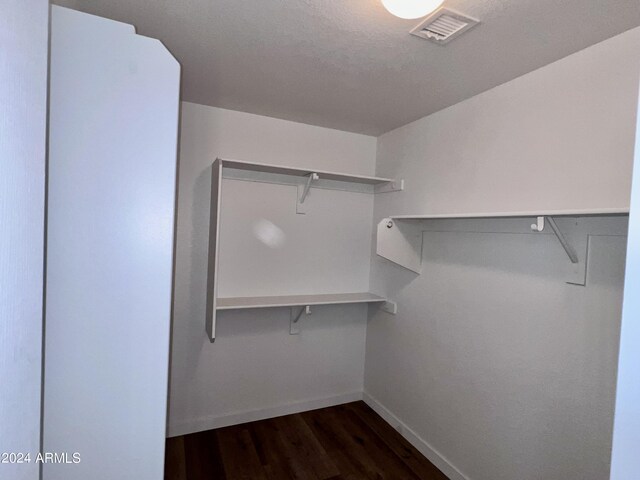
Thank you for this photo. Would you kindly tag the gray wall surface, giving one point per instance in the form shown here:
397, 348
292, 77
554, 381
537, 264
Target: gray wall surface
494, 365
255, 369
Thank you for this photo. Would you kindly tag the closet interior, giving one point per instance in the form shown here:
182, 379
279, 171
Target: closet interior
409, 266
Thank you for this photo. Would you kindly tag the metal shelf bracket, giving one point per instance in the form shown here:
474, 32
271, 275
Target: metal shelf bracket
579, 263
573, 256
294, 326
539, 227
303, 191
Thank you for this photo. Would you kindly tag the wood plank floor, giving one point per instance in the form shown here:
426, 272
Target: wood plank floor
346, 442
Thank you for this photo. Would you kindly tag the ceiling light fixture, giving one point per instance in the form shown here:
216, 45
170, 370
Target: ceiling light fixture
411, 8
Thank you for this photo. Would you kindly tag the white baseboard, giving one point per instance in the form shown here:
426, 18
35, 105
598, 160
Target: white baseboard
209, 423
414, 439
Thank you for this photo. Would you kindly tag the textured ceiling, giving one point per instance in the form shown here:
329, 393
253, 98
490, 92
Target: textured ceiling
348, 64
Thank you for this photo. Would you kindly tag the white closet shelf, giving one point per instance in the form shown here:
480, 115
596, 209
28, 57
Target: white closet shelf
304, 179
302, 172
541, 213
399, 237
237, 303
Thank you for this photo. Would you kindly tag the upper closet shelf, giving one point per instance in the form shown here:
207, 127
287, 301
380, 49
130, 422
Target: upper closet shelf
539, 213
303, 172
303, 179
306, 178
399, 237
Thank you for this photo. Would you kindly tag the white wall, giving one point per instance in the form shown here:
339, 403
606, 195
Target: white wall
558, 138
23, 112
112, 178
493, 361
255, 368
625, 462
268, 249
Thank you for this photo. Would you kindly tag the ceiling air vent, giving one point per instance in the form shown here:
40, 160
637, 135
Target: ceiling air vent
444, 25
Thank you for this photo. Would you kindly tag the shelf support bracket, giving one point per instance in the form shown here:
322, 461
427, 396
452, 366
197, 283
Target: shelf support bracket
393, 186
303, 191
294, 326
390, 307
573, 256
578, 273
401, 243
539, 227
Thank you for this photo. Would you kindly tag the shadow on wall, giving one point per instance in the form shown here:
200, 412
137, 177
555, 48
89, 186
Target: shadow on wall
191, 339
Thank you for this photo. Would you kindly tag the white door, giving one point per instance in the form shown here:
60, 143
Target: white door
626, 435
24, 30
114, 99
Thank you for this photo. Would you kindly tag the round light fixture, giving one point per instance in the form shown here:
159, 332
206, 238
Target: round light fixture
411, 8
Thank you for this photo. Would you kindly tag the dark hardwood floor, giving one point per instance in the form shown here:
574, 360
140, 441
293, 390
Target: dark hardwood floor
347, 442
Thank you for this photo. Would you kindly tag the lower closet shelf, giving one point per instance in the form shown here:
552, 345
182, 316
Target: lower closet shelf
235, 303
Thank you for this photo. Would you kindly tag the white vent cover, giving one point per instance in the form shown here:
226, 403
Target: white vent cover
443, 25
